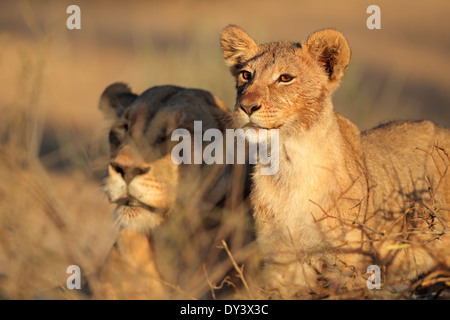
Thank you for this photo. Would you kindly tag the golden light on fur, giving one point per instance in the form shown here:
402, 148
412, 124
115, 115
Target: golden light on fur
142, 179
155, 196
342, 200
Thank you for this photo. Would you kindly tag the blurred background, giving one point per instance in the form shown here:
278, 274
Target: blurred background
54, 148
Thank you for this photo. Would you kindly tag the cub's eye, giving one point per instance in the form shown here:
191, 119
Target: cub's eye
246, 75
286, 78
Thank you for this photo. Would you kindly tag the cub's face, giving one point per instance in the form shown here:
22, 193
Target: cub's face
283, 85
142, 179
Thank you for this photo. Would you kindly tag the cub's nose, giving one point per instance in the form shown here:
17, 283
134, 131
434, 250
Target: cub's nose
249, 110
127, 171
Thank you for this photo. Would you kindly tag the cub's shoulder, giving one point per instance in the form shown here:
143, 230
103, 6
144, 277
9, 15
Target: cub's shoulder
389, 132
406, 136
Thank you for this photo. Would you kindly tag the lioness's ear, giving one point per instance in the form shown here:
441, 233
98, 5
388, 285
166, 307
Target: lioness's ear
330, 49
115, 99
237, 46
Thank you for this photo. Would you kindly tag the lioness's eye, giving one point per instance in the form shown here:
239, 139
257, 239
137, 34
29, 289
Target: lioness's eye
286, 78
113, 139
246, 75
161, 138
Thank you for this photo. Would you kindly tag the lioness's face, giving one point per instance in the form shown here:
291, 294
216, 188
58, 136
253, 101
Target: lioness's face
142, 178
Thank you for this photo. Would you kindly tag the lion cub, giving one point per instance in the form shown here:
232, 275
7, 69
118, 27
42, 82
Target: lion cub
342, 200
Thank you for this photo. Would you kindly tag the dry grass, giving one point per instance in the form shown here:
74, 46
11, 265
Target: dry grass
54, 151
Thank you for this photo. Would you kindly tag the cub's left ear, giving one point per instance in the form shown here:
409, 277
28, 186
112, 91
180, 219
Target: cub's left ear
330, 49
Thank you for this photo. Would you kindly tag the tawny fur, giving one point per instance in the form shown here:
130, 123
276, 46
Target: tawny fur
342, 200
141, 168
145, 183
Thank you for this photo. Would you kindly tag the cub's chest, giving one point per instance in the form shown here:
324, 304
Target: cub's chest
303, 183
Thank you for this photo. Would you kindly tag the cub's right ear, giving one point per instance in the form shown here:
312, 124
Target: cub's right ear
237, 46
115, 99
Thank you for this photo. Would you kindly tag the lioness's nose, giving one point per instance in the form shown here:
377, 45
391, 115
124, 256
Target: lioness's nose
128, 172
250, 109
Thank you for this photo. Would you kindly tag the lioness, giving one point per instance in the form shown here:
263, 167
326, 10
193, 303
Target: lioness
142, 177
342, 200
148, 186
